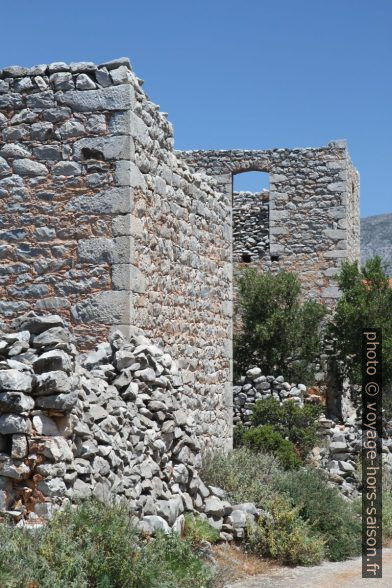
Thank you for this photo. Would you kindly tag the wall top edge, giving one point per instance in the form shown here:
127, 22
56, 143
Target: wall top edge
18, 71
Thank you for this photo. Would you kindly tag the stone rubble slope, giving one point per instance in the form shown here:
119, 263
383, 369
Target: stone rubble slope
112, 424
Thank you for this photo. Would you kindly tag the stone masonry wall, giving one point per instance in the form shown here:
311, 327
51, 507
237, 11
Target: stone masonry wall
64, 193
250, 226
313, 218
102, 223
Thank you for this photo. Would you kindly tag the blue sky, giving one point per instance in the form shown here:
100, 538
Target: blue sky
253, 74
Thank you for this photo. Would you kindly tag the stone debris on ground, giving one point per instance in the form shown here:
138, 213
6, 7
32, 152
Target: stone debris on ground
111, 424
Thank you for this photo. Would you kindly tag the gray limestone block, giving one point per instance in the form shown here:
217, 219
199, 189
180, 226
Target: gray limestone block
15, 380
50, 383
112, 201
5, 169
62, 81
84, 82
53, 488
103, 78
120, 122
82, 66
15, 402
14, 150
112, 98
115, 63
123, 249
71, 128
58, 66
27, 167
41, 100
63, 402
109, 148
11, 424
67, 168
96, 250
127, 224
48, 152
54, 360
96, 123
120, 75
24, 116
128, 174
126, 276
107, 308
23, 85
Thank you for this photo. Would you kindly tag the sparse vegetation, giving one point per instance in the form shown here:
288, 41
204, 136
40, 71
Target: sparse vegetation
326, 510
96, 546
285, 536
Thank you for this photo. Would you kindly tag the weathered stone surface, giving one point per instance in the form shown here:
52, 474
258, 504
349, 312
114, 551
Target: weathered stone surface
112, 98
55, 360
11, 424
15, 402
15, 380
52, 382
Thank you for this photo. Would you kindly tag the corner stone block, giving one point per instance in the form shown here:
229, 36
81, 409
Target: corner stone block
126, 276
112, 98
116, 147
123, 249
127, 224
114, 201
109, 308
95, 251
128, 174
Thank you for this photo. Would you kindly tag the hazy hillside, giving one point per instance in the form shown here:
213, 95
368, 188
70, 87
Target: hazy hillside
376, 238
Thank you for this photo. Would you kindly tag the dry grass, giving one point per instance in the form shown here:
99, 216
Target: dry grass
234, 563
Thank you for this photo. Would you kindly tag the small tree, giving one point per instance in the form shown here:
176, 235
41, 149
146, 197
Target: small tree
366, 302
278, 333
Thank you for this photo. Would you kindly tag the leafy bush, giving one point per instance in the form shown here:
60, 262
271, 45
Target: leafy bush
283, 535
297, 424
198, 530
387, 504
326, 510
278, 332
268, 438
96, 546
366, 302
245, 475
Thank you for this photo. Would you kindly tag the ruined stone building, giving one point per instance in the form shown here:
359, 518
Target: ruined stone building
104, 223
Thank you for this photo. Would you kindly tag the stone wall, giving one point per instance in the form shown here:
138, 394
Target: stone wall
113, 423
250, 226
102, 223
313, 211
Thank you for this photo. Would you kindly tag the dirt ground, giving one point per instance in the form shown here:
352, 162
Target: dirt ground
346, 574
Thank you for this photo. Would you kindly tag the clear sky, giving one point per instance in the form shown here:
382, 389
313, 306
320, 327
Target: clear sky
237, 74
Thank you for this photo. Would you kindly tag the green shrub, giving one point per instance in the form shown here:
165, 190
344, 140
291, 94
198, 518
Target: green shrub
198, 530
96, 546
245, 475
326, 510
366, 302
278, 332
267, 438
297, 424
283, 535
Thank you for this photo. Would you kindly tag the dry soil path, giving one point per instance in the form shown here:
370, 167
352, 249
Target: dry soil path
345, 574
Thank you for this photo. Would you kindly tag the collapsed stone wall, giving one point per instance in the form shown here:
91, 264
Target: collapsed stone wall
313, 208
112, 423
102, 223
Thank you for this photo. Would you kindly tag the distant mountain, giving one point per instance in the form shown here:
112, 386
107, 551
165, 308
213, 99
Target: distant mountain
376, 238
